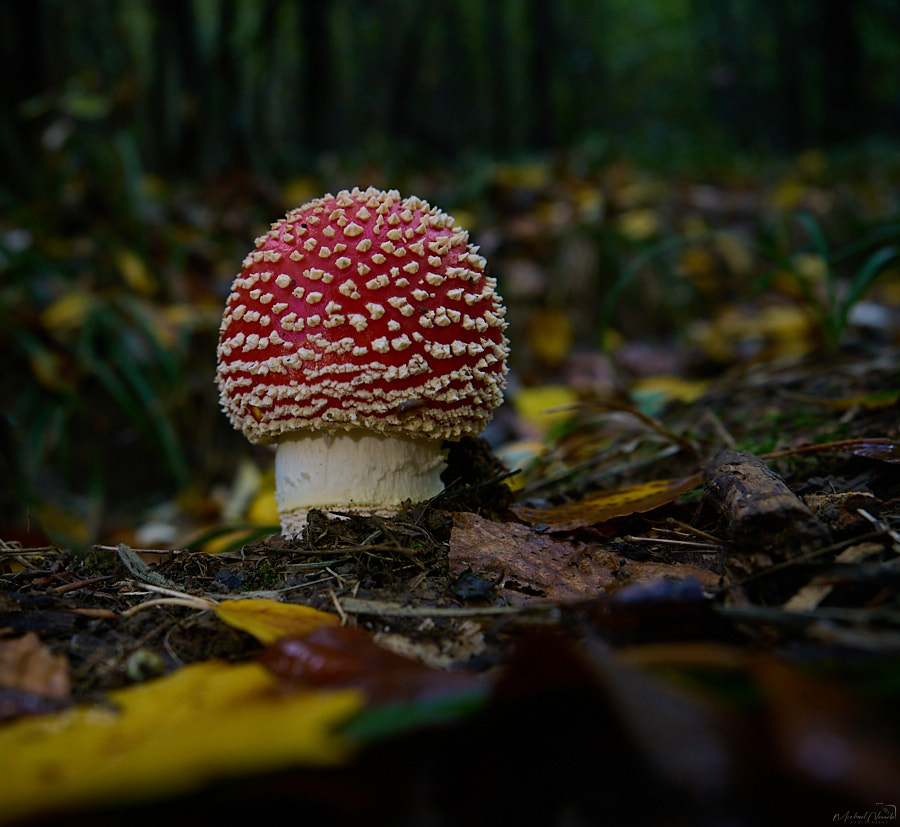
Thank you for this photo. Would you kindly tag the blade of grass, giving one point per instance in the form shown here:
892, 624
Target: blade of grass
863, 279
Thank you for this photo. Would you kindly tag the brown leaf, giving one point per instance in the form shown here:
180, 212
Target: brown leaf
607, 505
342, 656
26, 664
32, 679
532, 566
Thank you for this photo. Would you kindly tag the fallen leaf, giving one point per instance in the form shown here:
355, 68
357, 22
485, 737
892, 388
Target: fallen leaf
550, 335
269, 620
544, 406
26, 664
640, 224
135, 273
530, 567
736, 251
670, 387
69, 311
606, 505
206, 721
263, 508
522, 456
339, 656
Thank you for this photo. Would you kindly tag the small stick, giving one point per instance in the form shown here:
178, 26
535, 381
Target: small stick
758, 506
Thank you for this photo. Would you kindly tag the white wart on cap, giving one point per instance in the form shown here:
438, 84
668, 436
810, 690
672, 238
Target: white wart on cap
360, 333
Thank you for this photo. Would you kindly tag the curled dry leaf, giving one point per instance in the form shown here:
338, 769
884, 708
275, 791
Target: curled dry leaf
607, 505
530, 566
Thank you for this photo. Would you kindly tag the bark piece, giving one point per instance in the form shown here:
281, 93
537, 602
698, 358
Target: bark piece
758, 506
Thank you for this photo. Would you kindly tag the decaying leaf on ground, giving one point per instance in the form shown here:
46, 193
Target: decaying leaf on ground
527, 566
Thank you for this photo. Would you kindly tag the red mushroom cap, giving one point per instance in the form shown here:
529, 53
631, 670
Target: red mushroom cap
362, 310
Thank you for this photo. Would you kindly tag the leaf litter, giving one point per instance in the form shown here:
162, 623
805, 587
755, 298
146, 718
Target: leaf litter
459, 644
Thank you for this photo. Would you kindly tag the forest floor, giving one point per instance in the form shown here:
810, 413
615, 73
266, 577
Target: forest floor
664, 624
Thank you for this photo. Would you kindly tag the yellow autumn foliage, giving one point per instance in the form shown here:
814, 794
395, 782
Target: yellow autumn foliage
270, 620
205, 722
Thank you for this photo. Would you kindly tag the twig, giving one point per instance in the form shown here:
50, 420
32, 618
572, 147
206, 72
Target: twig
337, 606
882, 527
651, 422
691, 546
175, 593
140, 550
380, 608
697, 532
80, 584
190, 602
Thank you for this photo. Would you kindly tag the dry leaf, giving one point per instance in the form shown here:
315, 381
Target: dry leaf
27, 665
598, 508
544, 406
335, 656
670, 387
269, 620
550, 335
536, 567
206, 721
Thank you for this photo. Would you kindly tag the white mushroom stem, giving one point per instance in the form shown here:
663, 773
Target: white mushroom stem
352, 471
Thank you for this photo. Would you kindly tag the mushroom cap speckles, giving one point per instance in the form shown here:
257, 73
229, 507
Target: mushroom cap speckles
362, 310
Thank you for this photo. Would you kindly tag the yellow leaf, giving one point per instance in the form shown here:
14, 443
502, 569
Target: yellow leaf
45, 367
590, 203
526, 176
227, 540
640, 224
787, 328
68, 312
205, 722
271, 620
538, 406
699, 265
788, 195
520, 456
300, 190
736, 252
811, 266
598, 508
135, 273
671, 387
465, 218
550, 335
263, 509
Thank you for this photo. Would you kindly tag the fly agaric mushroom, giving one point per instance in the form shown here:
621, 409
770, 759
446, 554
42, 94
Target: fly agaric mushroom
361, 332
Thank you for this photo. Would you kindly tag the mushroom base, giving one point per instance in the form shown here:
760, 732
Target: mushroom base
352, 471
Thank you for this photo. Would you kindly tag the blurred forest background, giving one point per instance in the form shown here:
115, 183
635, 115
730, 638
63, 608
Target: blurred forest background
717, 178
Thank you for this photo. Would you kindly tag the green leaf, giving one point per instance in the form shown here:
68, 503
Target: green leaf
375, 723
